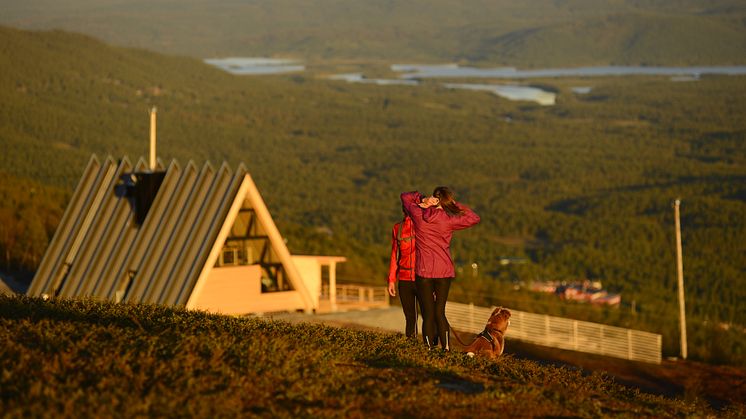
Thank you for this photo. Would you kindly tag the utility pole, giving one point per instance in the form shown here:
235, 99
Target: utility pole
152, 161
680, 272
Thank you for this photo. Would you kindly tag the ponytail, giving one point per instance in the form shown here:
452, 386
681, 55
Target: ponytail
447, 201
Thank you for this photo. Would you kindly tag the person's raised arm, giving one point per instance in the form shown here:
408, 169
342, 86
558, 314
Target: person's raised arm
410, 201
465, 220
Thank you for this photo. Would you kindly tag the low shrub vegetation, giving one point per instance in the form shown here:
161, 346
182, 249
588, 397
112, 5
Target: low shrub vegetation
64, 358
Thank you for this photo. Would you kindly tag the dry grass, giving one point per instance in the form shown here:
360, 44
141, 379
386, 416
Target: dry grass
66, 358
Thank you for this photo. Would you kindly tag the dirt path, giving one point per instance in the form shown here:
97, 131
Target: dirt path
383, 319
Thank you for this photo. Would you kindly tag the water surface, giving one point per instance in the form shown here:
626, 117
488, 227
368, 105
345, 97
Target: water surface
255, 65
417, 71
509, 91
359, 78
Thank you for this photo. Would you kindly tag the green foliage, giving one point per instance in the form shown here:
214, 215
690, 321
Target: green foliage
29, 214
582, 189
67, 358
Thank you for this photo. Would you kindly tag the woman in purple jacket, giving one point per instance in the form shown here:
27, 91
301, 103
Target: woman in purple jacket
435, 218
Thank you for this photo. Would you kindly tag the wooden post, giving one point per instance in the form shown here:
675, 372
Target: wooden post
680, 272
333, 285
575, 335
471, 317
629, 343
152, 139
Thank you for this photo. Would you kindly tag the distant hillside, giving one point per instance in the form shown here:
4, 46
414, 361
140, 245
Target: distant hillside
620, 39
580, 190
503, 32
83, 359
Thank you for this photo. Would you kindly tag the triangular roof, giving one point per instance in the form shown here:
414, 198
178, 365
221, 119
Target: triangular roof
102, 250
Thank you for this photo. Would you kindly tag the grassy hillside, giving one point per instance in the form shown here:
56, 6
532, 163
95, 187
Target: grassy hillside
84, 359
619, 39
581, 190
504, 32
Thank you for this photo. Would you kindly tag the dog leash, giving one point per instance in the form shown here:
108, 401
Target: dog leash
455, 334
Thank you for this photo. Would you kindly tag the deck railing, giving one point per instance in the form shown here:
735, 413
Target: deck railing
358, 294
558, 332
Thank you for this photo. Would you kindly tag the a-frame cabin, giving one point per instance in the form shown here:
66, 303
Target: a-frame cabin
198, 238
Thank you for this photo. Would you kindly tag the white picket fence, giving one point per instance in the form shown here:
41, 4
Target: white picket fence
558, 332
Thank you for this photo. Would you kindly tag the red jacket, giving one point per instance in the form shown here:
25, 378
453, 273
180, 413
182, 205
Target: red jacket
401, 266
434, 229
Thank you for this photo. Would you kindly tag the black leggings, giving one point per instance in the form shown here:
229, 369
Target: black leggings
408, 298
432, 294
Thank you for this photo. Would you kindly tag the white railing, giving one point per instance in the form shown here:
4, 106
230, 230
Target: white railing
357, 294
558, 332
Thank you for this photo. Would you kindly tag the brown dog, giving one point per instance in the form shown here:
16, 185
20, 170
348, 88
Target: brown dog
491, 342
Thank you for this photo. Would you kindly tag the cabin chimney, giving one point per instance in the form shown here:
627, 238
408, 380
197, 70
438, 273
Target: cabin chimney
145, 184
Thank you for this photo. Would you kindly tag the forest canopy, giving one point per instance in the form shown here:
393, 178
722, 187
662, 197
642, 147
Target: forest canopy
581, 190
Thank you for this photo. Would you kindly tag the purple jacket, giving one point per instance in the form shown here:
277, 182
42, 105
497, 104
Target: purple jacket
433, 229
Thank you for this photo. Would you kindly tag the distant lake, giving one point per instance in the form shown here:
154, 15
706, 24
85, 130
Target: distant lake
512, 92
359, 78
411, 72
255, 66
582, 90
417, 71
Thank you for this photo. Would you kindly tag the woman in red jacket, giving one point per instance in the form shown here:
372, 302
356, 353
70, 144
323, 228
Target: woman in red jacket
435, 218
401, 269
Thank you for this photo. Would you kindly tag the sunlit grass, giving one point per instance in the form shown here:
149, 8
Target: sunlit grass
64, 358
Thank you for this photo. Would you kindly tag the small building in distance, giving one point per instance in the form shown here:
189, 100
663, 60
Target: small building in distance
182, 236
583, 291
